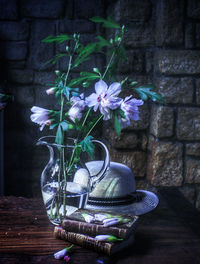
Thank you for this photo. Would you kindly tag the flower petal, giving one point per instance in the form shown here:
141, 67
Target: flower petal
114, 102
91, 100
114, 89
101, 87
60, 254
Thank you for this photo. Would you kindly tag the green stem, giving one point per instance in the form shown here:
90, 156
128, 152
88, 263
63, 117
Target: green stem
86, 116
71, 160
65, 182
94, 125
108, 66
113, 55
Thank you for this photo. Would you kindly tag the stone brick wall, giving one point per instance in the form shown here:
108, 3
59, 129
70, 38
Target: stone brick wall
163, 47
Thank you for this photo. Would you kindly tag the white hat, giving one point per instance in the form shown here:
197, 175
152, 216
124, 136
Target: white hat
117, 191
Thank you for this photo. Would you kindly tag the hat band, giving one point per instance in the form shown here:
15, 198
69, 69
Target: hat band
125, 200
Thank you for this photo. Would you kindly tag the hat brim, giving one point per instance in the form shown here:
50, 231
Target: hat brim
148, 202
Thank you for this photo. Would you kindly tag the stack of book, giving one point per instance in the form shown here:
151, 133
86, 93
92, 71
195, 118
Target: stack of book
85, 228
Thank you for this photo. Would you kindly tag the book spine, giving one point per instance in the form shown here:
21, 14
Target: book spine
83, 240
93, 229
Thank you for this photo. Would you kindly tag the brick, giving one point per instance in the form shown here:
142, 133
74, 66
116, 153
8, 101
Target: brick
42, 9
190, 36
126, 140
76, 26
21, 76
197, 35
11, 30
162, 121
189, 193
95, 61
16, 64
44, 100
197, 203
188, 125
193, 149
88, 9
139, 35
173, 62
8, 9
131, 10
149, 62
142, 184
192, 171
198, 91
169, 26
193, 9
175, 90
45, 78
165, 164
13, 50
135, 160
41, 53
134, 62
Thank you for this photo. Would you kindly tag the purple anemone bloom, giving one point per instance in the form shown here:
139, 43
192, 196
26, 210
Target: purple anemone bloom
40, 116
130, 109
105, 98
75, 112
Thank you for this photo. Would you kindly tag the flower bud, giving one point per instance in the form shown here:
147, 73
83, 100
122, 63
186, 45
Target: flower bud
50, 90
48, 122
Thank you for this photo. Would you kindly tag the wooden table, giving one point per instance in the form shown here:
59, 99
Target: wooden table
169, 234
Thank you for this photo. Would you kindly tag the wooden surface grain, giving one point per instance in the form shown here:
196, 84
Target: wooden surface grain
169, 234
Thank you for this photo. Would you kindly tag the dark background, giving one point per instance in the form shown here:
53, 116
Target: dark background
163, 47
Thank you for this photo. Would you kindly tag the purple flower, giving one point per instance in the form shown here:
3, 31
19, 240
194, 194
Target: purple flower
75, 112
105, 98
67, 258
40, 116
63, 253
110, 222
109, 238
130, 109
60, 254
50, 91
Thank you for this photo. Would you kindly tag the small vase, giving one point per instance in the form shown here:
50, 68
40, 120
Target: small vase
66, 181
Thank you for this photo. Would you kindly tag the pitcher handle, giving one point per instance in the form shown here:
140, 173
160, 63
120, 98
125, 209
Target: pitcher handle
95, 179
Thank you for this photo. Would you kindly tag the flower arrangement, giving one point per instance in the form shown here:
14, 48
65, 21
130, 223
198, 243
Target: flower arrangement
82, 112
76, 109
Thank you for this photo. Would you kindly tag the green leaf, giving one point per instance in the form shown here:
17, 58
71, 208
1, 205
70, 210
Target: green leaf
57, 57
87, 145
66, 91
76, 81
84, 52
64, 125
103, 42
53, 126
133, 83
117, 125
89, 74
59, 135
59, 39
145, 92
112, 238
108, 23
